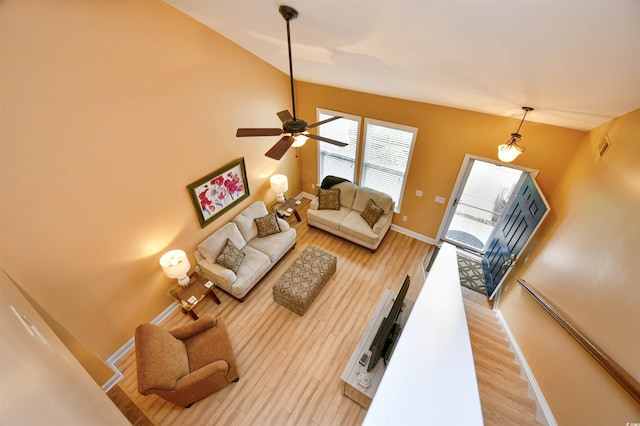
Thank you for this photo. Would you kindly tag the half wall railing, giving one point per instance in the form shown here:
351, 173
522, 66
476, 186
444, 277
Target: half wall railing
628, 382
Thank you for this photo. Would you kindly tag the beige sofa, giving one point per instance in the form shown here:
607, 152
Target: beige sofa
260, 253
347, 221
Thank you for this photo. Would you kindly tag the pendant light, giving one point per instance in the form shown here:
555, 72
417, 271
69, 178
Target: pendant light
510, 151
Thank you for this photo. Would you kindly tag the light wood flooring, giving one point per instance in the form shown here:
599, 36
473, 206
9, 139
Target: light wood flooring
290, 366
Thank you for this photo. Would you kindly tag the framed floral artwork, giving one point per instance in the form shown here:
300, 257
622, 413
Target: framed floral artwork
219, 191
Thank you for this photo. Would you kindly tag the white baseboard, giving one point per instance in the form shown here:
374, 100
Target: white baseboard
543, 412
306, 195
413, 234
115, 357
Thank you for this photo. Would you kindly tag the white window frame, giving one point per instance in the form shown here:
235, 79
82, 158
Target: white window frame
355, 118
394, 126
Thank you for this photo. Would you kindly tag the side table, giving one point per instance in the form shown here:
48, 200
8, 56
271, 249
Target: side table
284, 210
197, 289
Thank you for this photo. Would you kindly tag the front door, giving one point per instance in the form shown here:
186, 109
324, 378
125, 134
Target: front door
512, 233
481, 194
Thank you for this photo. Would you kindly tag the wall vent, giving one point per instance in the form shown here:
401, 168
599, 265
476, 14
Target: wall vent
605, 143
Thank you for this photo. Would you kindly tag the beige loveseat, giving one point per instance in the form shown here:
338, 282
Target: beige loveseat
347, 221
258, 254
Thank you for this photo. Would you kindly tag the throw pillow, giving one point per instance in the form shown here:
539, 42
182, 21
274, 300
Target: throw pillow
267, 225
372, 213
329, 199
230, 257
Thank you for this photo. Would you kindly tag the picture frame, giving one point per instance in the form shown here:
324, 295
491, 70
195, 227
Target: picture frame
217, 192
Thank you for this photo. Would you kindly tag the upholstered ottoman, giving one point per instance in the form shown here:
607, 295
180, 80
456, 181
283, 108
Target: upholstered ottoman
298, 287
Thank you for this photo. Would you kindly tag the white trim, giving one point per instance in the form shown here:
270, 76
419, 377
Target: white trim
412, 234
115, 357
306, 195
543, 411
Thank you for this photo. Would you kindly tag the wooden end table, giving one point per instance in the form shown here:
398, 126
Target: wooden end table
197, 289
284, 210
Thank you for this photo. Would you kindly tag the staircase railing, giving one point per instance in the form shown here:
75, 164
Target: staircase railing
628, 382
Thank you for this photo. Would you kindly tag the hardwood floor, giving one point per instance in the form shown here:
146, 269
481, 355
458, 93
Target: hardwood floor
289, 365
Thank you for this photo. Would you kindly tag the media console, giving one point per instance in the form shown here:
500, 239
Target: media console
360, 385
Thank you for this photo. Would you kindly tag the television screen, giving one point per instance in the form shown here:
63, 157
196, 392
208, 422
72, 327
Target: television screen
387, 333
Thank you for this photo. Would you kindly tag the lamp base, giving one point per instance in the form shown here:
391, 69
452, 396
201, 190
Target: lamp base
184, 281
280, 198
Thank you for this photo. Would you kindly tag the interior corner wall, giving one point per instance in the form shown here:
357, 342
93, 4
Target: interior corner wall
585, 262
445, 135
109, 110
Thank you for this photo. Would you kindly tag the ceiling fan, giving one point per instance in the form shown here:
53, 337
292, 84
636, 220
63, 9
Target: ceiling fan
293, 128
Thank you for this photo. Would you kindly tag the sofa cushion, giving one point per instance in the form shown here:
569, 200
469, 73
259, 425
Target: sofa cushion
244, 220
363, 195
328, 218
347, 193
267, 225
254, 266
276, 245
371, 213
211, 247
354, 226
329, 199
230, 256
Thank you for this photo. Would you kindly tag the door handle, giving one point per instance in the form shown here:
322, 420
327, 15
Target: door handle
509, 262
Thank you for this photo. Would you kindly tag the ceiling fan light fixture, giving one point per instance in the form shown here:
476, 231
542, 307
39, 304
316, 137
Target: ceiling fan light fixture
510, 151
299, 140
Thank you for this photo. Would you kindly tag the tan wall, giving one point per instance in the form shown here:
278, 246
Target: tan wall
445, 135
109, 109
586, 264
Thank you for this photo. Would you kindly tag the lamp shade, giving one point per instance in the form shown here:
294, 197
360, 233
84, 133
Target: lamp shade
175, 264
508, 153
279, 185
299, 140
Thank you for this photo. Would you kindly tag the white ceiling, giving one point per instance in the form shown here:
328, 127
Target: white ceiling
577, 62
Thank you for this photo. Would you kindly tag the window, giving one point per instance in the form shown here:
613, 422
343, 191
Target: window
334, 160
387, 151
384, 161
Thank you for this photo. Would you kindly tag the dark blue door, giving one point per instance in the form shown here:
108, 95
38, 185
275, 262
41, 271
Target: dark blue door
513, 231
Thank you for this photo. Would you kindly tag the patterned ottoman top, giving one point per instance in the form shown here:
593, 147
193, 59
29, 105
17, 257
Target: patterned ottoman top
311, 269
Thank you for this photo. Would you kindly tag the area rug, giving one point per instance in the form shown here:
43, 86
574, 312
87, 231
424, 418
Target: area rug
465, 238
470, 271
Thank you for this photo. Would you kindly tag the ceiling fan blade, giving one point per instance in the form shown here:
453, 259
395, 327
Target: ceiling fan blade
320, 123
278, 150
284, 115
259, 132
323, 139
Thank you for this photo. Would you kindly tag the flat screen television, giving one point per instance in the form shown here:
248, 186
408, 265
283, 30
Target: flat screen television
385, 338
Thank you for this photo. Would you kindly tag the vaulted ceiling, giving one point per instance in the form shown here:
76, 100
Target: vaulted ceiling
577, 62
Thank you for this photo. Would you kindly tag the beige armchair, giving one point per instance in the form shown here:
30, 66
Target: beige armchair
185, 364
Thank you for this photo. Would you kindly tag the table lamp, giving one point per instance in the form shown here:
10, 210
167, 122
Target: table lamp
279, 185
175, 264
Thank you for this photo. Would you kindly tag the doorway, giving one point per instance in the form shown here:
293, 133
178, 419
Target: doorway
484, 189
